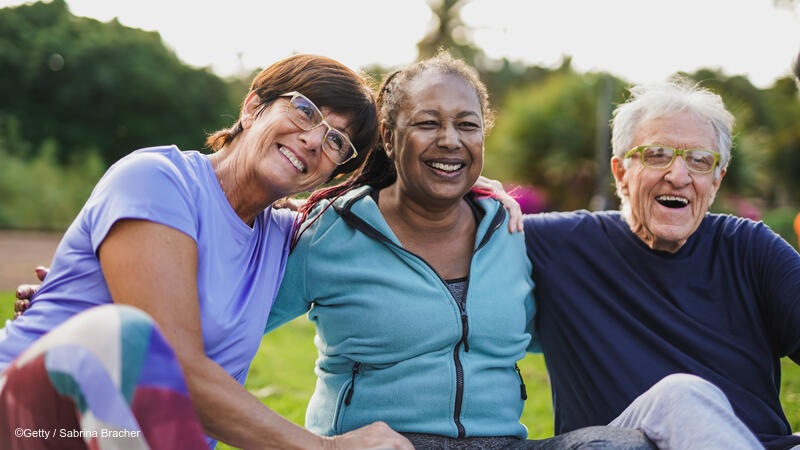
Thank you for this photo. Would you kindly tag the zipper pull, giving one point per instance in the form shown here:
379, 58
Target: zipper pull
465, 327
352, 385
523, 393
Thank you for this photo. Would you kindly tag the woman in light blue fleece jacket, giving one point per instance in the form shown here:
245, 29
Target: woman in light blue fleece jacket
421, 298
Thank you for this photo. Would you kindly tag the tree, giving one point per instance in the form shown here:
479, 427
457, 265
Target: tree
448, 32
87, 84
546, 137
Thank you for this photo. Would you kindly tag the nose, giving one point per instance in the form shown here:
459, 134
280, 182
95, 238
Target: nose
313, 139
678, 174
448, 137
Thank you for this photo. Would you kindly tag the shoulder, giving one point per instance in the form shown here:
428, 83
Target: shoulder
156, 163
326, 217
569, 221
733, 228
282, 217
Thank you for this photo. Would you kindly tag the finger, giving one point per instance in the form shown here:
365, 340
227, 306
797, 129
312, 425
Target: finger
41, 272
21, 306
25, 291
16, 314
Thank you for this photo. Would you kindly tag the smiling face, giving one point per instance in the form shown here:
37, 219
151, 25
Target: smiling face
665, 206
437, 143
279, 156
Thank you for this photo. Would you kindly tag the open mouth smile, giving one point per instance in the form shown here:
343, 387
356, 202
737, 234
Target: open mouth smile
296, 162
672, 201
446, 167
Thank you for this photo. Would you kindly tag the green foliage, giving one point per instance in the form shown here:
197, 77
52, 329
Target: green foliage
545, 136
781, 221
40, 193
89, 84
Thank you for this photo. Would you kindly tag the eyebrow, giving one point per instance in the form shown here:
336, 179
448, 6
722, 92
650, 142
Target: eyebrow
461, 114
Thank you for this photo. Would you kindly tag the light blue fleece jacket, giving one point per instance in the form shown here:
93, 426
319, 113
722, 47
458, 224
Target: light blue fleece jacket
394, 345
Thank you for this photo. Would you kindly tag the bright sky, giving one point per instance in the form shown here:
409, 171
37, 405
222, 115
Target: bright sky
638, 40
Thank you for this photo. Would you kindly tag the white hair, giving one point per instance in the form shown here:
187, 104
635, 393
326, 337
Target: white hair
657, 100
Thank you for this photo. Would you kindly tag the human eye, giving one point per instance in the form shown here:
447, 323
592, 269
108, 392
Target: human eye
305, 109
335, 141
700, 159
426, 124
469, 125
657, 156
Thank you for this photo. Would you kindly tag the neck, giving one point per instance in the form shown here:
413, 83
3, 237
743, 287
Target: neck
648, 237
246, 195
401, 209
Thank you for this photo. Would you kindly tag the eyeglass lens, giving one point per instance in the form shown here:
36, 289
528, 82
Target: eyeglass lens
307, 116
661, 157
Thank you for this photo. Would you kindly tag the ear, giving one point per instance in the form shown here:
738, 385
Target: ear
715, 186
618, 170
249, 109
386, 138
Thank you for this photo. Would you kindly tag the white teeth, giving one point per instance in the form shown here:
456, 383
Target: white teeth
293, 159
445, 167
672, 198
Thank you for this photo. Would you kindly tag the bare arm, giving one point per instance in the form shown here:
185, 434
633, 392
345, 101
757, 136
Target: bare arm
154, 267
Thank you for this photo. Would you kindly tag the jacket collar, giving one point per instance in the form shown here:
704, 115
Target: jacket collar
359, 210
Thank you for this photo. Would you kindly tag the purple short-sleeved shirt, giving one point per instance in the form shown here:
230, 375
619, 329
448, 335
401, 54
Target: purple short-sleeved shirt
239, 268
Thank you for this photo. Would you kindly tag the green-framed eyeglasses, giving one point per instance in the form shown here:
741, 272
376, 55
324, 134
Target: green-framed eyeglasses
305, 114
698, 160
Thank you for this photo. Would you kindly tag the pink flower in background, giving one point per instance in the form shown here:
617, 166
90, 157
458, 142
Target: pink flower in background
531, 200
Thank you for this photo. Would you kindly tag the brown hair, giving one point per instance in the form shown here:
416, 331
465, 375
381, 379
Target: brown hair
325, 82
378, 170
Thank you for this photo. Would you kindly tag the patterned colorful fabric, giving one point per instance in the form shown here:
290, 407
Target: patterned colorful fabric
105, 379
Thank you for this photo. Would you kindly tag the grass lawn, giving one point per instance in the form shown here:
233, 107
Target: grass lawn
282, 376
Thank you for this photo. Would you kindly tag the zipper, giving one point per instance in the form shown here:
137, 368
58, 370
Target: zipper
348, 396
523, 393
370, 231
352, 385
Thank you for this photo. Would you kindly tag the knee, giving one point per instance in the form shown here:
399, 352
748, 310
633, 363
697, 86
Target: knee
112, 322
687, 389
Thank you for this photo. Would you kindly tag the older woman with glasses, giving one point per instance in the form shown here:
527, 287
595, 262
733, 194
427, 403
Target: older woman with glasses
192, 241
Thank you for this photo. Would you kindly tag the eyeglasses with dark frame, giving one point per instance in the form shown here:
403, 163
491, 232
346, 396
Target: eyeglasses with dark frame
305, 114
698, 160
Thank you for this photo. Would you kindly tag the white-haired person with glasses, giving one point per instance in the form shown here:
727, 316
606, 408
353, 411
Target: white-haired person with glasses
661, 316
192, 241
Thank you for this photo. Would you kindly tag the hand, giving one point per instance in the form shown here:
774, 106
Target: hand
375, 435
290, 203
26, 291
509, 203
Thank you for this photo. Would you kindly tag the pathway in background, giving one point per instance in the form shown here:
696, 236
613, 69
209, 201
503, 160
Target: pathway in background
21, 252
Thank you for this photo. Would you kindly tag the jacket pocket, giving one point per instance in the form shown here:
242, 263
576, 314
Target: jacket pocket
345, 397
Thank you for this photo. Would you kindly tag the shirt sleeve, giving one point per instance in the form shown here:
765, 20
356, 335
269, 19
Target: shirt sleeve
544, 234
294, 299
144, 186
779, 270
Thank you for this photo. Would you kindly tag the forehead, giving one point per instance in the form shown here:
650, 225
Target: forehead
680, 130
434, 90
340, 121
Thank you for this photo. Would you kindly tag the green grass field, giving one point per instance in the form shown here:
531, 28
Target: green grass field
282, 376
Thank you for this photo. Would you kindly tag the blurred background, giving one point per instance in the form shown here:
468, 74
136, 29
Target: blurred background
84, 82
